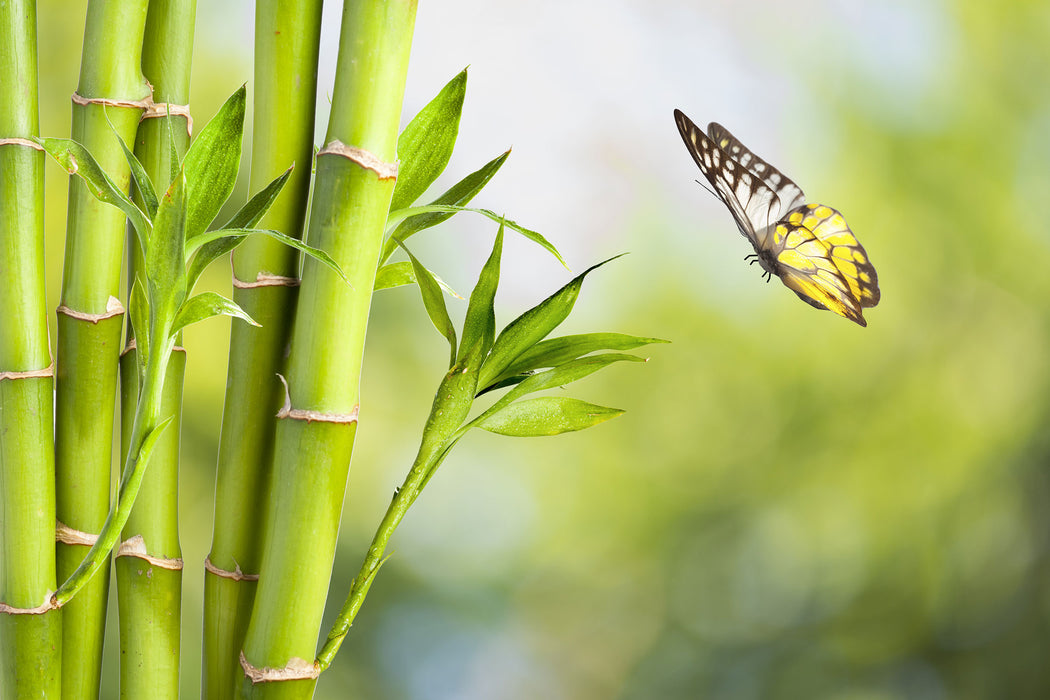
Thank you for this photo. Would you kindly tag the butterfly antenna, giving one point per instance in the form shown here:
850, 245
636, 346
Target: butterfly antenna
713, 193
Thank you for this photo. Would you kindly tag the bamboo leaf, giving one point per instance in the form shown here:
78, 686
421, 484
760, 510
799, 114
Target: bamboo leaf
165, 264
401, 273
205, 305
434, 303
77, 160
138, 174
394, 275
212, 163
533, 236
531, 327
425, 146
479, 325
247, 217
458, 195
257, 206
239, 234
556, 351
174, 161
548, 415
138, 311
567, 373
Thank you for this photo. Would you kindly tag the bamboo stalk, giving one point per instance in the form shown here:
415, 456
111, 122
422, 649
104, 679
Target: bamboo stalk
29, 643
287, 41
149, 572
89, 322
315, 435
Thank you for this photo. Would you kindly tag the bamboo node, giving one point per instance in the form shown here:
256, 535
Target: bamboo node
68, 535
144, 103
19, 141
48, 371
113, 308
48, 605
266, 279
366, 159
236, 574
156, 110
295, 670
309, 416
136, 547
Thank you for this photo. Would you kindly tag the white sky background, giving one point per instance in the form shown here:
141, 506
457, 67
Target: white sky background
584, 91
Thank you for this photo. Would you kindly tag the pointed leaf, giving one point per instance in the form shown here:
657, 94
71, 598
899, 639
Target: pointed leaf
458, 195
556, 351
548, 415
401, 273
138, 311
205, 305
531, 327
434, 304
211, 164
239, 234
533, 236
394, 275
425, 146
142, 182
174, 161
77, 160
165, 264
257, 206
479, 326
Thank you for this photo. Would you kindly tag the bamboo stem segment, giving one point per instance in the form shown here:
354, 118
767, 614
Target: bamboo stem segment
311, 458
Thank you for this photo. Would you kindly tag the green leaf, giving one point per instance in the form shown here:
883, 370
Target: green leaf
531, 327
394, 275
239, 234
138, 311
211, 164
77, 160
257, 206
556, 351
174, 161
434, 304
559, 376
205, 305
458, 195
533, 236
247, 217
425, 146
479, 326
165, 264
142, 182
401, 273
547, 415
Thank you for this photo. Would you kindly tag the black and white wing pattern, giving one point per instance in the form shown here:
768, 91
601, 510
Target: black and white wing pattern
749, 198
808, 246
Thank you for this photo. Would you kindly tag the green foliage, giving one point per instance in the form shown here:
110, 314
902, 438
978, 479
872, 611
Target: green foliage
425, 146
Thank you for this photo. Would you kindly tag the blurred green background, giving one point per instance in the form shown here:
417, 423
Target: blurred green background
793, 506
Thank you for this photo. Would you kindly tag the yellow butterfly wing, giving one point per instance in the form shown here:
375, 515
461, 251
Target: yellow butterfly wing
820, 259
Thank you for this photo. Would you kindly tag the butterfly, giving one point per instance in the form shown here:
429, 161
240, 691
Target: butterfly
808, 246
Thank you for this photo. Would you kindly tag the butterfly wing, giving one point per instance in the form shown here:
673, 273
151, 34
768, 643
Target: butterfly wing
789, 194
749, 199
820, 259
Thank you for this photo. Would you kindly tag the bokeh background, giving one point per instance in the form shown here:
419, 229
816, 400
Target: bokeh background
793, 506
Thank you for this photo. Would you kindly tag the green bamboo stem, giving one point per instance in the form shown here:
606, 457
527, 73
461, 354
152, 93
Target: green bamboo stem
29, 643
287, 41
149, 591
89, 322
312, 450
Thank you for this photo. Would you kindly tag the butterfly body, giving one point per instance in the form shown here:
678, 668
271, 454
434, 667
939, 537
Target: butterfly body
808, 246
